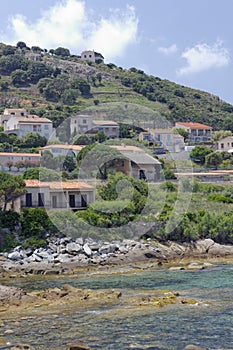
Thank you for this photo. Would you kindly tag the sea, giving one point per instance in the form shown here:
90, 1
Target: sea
207, 323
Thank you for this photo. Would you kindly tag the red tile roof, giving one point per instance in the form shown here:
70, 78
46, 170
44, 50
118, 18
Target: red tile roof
194, 125
59, 185
14, 154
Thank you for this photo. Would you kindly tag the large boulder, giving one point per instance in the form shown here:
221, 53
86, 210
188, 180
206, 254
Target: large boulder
10, 296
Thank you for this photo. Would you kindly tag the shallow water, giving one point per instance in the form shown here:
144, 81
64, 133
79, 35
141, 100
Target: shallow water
108, 327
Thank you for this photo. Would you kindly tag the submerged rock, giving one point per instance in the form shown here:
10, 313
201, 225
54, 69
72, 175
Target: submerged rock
77, 347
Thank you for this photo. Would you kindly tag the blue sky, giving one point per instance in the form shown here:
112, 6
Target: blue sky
186, 41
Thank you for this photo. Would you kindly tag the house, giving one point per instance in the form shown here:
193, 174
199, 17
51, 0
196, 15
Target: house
197, 132
91, 55
137, 163
62, 150
226, 144
11, 161
21, 125
11, 112
165, 138
85, 124
57, 195
109, 128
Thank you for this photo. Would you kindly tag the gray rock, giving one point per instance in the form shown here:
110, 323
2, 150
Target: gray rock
87, 250
79, 241
15, 255
107, 248
73, 248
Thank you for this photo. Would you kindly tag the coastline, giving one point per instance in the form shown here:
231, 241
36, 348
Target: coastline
128, 256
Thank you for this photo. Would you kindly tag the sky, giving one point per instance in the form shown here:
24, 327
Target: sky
185, 41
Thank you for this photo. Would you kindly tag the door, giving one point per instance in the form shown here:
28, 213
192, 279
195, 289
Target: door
28, 200
54, 201
72, 200
83, 200
40, 199
142, 175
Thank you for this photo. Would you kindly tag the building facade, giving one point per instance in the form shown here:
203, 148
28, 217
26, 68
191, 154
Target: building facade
12, 161
164, 138
57, 195
197, 132
85, 124
91, 55
226, 144
22, 125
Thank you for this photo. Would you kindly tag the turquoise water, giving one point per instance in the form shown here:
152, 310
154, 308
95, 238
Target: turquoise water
169, 328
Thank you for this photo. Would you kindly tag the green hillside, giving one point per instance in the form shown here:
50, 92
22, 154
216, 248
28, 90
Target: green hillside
57, 84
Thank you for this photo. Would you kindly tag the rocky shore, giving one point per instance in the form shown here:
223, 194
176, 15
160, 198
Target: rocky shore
62, 255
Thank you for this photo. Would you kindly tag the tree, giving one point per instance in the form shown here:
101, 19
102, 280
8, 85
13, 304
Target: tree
69, 163
199, 153
11, 187
220, 134
61, 51
213, 160
10, 63
21, 45
182, 132
32, 139
42, 174
48, 161
19, 78
37, 71
99, 77
4, 86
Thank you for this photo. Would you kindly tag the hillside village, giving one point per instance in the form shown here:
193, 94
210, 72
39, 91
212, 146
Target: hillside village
65, 153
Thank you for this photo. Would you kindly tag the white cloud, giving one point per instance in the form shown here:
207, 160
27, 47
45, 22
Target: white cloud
203, 57
68, 24
168, 50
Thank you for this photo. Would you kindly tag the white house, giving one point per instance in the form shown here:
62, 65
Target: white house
11, 112
86, 125
21, 125
226, 144
165, 138
57, 195
91, 55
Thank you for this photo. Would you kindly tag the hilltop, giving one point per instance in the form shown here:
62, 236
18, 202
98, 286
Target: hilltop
55, 83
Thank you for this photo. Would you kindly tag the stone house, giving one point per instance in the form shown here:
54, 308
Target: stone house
91, 55
137, 163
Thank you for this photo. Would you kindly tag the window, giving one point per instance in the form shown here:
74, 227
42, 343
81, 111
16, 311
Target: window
54, 201
34, 127
84, 121
90, 56
222, 145
232, 144
46, 127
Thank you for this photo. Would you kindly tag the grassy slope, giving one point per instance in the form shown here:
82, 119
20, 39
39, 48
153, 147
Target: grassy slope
178, 102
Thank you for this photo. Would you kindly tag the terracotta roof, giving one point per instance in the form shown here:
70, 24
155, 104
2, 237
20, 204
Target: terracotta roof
71, 147
59, 185
31, 119
126, 148
104, 122
194, 125
12, 154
